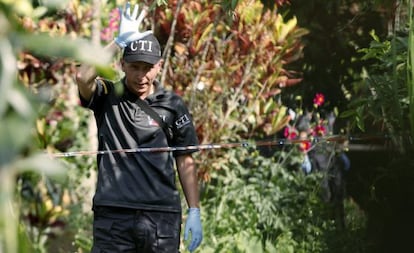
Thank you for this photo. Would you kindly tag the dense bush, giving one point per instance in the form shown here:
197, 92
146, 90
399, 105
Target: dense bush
257, 204
385, 105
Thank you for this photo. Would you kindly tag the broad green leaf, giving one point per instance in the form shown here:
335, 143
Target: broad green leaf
20, 103
205, 35
65, 47
25, 7
14, 134
286, 28
106, 71
270, 105
39, 11
41, 163
7, 73
250, 12
55, 3
280, 120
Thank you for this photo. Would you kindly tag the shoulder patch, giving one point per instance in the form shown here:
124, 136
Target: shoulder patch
182, 121
102, 82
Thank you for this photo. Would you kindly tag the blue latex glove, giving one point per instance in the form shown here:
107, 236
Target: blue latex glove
193, 224
346, 161
129, 25
306, 165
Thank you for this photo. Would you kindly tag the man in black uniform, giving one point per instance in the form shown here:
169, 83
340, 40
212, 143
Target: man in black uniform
136, 205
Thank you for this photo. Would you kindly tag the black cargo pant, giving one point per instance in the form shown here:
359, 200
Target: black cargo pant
117, 230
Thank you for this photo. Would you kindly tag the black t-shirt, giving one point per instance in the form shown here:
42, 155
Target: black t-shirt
140, 180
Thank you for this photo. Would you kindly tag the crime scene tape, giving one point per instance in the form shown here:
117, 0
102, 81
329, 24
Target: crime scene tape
254, 144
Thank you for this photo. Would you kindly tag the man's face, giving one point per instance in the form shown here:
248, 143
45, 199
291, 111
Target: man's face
140, 76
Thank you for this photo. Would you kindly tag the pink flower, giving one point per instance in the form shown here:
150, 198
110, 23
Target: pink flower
305, 146
319, 99
107, 34
290, 133
319, 130
114, 13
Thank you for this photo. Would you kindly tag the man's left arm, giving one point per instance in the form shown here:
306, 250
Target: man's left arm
187, 173
188, 178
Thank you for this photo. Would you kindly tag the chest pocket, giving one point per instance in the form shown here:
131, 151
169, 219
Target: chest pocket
161, 118
144, 127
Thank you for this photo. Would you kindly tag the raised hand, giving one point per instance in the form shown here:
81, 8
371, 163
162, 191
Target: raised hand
129, 25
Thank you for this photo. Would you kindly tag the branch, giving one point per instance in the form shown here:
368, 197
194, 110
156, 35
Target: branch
168, 46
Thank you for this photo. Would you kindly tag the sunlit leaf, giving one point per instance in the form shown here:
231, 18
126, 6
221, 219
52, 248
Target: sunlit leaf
20, 103
66, 47
106, 71
40, 126
14, 133
39, 11
205, 35
23, 7
42, 163
286, 28
280, 120
269, 105
7, 73
54, 3
250, 11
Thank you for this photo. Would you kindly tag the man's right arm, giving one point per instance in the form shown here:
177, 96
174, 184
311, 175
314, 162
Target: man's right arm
128, 31
86, 74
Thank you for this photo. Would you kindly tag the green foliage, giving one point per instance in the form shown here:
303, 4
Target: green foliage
43, 207
383, 103
22, 102
383, 90
384, 94
337, 29
259, 205
17, 146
